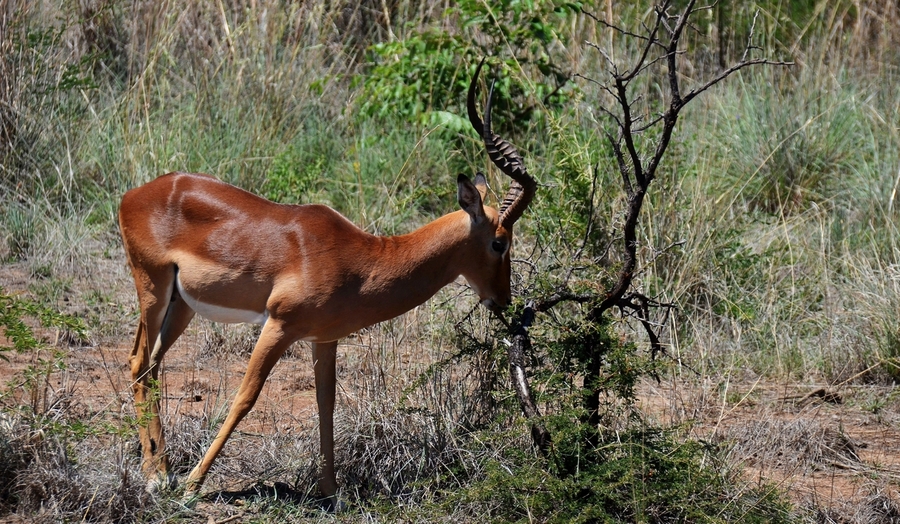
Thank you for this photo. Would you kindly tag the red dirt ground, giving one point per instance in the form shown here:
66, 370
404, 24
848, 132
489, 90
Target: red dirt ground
868, 416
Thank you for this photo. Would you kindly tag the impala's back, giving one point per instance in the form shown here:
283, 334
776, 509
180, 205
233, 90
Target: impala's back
235, 257
227, 251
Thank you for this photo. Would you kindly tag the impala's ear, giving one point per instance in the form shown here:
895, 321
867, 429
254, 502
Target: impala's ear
481, 184
469, 195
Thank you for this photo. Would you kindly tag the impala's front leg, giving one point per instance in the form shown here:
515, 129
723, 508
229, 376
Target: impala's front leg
272, 343
323, 363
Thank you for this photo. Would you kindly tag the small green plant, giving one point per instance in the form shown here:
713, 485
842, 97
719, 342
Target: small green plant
21, 229
15, 312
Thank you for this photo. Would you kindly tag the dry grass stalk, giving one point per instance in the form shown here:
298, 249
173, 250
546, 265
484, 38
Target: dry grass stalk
796, 445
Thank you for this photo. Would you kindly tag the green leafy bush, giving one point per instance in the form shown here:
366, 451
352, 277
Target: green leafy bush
430, 69
637, 475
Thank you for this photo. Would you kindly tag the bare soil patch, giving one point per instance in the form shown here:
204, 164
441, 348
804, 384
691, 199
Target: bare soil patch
834, 450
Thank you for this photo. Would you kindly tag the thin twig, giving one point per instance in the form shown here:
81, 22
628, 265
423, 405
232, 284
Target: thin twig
613, 26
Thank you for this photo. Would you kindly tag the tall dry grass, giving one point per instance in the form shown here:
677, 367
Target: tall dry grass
782, 187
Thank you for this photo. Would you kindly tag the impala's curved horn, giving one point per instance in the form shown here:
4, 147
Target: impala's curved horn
505, 157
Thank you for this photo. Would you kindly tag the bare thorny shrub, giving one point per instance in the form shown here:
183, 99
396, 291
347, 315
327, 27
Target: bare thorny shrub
640, 133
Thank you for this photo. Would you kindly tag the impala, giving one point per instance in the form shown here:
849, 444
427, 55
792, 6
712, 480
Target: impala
197, 245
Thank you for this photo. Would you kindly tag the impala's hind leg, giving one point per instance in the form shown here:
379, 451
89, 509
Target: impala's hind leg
164, 316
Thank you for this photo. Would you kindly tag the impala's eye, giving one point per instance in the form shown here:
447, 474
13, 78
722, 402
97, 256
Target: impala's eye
498, 245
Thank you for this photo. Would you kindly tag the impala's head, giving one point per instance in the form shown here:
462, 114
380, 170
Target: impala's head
492, 230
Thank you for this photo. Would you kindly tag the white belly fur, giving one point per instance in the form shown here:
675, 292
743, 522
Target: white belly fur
221, 314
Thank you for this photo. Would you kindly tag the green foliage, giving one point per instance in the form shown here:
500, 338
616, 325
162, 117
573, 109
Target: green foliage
14, 310
622, 470
579, 348
292, 177
641, 474
415, 75
15, 316
572, 214
431, 68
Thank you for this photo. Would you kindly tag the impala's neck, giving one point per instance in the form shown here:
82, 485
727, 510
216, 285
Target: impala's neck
409, 269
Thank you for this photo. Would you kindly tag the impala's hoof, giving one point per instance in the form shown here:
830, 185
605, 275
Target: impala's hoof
162, 482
